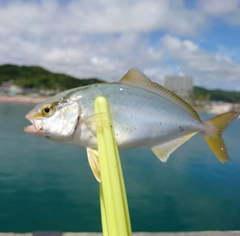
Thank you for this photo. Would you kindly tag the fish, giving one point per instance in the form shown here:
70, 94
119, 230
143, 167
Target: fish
143, 113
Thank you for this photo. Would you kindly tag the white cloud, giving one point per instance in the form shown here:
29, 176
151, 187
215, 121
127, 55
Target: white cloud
99, 17
216, 7
90, 38
106, 38
107, 57
209, 69
226, 10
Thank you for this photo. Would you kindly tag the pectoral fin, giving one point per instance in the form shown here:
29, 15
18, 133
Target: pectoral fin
94, 163
95, 121
163, 151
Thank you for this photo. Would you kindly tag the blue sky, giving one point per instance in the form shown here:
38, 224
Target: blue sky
93, 38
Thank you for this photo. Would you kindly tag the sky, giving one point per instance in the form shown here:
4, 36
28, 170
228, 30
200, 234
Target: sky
105, 38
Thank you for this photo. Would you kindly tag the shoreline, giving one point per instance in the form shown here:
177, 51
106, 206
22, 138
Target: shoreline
22, 99
212, 108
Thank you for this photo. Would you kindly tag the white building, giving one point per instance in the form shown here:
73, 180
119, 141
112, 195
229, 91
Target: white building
8, 87
181, 85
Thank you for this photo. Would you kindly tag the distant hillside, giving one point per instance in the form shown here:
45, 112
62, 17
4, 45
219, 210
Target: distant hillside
216, 95
37, 77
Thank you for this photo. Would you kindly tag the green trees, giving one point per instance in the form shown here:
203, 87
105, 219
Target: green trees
216, 95
37, 77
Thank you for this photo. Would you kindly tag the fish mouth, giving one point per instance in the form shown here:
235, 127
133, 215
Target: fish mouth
31, 129
36, 126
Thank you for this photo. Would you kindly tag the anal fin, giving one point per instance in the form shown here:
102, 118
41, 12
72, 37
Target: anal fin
94, 163
163, 151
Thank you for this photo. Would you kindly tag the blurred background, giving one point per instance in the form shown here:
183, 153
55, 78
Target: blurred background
191, 47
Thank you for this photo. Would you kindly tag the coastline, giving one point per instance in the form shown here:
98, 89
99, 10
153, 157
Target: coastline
22, 99
212, 108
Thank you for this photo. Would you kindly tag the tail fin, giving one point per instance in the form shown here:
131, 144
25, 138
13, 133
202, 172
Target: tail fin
213, 131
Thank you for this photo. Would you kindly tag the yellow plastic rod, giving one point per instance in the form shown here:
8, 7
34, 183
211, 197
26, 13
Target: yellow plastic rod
113, 200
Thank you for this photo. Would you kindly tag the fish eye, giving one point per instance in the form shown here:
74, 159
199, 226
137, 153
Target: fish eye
47, 110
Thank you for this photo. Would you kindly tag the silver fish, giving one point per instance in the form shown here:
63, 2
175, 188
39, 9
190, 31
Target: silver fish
143, 114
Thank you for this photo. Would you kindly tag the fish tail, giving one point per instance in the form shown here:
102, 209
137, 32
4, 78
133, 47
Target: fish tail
213, 130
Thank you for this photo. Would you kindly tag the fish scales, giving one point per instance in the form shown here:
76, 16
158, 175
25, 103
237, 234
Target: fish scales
139, 117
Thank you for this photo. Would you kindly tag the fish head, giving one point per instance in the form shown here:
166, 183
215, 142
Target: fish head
54, 120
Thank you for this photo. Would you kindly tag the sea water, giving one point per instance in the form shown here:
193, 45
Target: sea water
47, 186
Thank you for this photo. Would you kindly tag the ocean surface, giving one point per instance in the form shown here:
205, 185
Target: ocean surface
47, 186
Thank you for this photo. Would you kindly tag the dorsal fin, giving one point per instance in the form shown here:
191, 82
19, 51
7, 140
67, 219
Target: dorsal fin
138, 79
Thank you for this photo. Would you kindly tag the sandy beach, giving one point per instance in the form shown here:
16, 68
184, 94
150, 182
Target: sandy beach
22, 99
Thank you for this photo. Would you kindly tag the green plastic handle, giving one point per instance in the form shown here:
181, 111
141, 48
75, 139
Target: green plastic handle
113, 200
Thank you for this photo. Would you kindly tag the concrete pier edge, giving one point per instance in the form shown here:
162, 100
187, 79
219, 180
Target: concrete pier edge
201, 233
